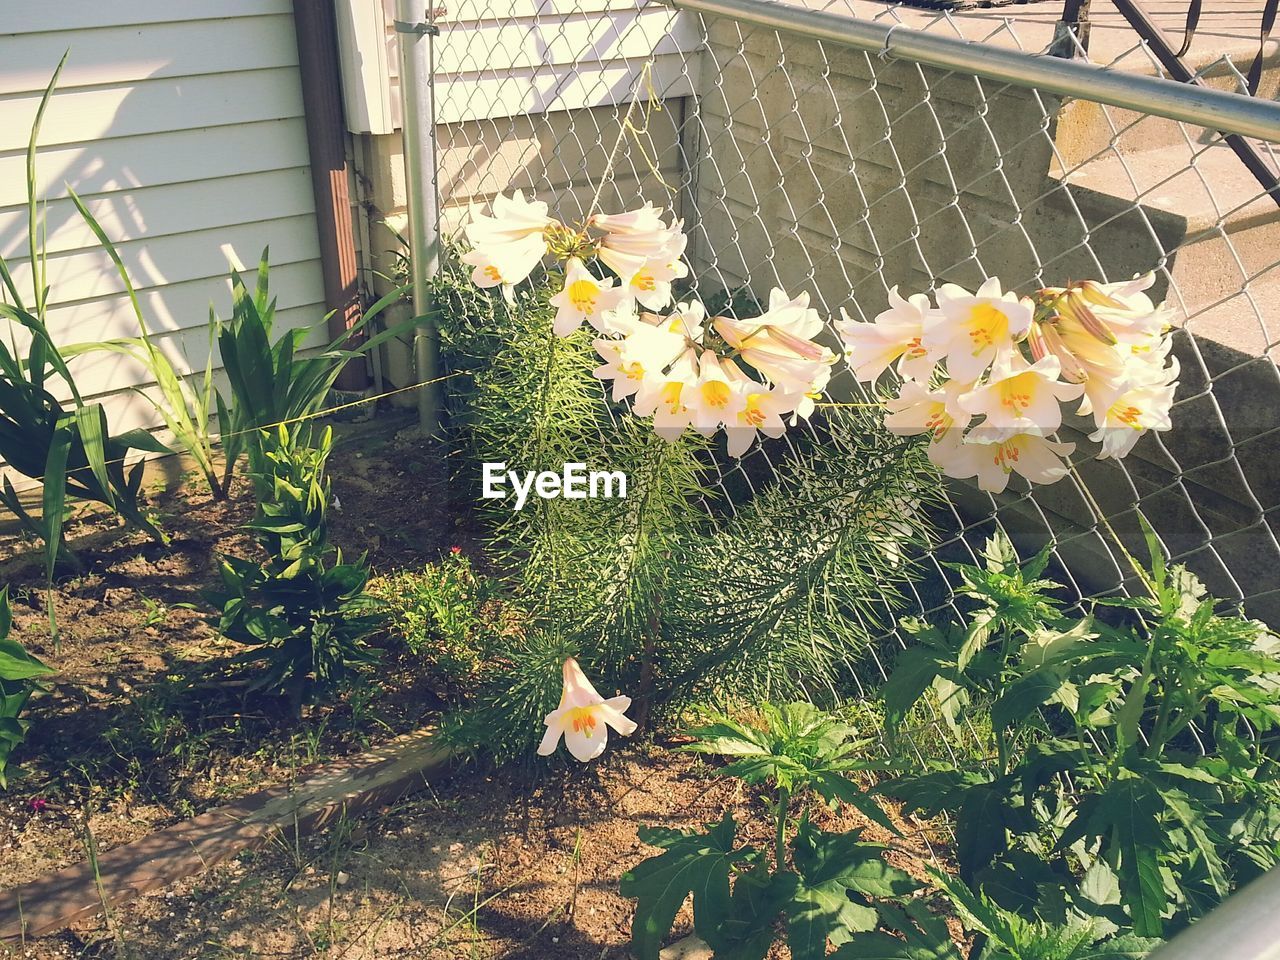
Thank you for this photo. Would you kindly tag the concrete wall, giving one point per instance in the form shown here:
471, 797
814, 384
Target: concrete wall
559, 156
832, 171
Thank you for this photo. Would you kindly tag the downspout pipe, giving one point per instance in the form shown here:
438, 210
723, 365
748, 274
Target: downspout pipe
317, 32
415, 29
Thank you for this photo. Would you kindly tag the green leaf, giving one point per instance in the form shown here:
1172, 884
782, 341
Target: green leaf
748, 932
834, 785
1024, 696
693, 863
912, 674
1126, 947
923, 937
17, 664
834, 868
1207, 844
981, 829
1100, 885
1131, 808
55, 496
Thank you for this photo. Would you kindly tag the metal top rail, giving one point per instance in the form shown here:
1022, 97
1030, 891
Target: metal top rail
1214, 109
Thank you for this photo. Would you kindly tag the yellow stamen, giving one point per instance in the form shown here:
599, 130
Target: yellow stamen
1128, 415
583, 295
1015, 393
986, 326
643, 281
581, 720
716, 393
492, 273
1006, 456
752, 415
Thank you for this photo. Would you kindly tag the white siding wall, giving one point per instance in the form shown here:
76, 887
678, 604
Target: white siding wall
509, 58
180, 124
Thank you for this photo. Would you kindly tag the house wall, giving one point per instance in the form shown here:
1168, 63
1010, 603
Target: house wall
180, 125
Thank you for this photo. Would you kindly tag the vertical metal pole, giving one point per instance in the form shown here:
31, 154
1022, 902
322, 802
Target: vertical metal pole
417, 107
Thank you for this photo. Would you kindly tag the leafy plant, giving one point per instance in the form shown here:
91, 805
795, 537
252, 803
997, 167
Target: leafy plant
19, 678
1133, 750
441, 611
303, 611
66, 445
829, 887
273, 383
664, 594
1079, 936
185, 402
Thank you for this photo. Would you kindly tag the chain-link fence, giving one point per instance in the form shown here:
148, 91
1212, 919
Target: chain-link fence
812, 161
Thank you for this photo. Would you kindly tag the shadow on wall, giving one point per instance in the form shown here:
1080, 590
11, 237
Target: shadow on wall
188, 147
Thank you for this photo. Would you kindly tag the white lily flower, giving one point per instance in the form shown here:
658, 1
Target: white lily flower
792, 314
894, 337
1022, 396
637, 239
1133, 412
1123, 412
505, 264
686, 319
513, 219
762, 410
713, 399
638, 359
583, 298
644, 220
997, 455
584, 717
970, 330
776, 344
668, 399
651, 284
918, 409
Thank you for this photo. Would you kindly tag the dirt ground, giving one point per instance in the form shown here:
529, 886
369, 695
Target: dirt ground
482, 867
145, 723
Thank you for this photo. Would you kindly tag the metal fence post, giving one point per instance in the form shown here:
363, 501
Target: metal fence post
417, 66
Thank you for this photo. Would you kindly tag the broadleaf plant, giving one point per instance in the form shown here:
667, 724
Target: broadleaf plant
827, 887
1131, 740
20, 675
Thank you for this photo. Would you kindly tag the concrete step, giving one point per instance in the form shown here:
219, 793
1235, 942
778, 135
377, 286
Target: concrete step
1086, 129
1207, 214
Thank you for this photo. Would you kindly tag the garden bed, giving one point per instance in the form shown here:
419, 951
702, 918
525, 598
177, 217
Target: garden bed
142, 725
483, 866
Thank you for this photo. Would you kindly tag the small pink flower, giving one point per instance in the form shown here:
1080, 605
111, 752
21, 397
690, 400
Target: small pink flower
38, 804
455, 550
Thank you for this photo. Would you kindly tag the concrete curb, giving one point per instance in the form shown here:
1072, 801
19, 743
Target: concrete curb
375, 779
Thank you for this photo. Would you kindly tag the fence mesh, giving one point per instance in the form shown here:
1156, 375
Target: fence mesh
813, 166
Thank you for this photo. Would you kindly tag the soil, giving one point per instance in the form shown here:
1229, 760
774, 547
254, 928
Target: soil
145, 722
483, 867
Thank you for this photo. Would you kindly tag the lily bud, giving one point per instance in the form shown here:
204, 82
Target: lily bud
1093, 292
799, 346
1078, 309
1035, 340
1072, 370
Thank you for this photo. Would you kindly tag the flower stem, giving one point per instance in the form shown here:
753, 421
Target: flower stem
780, 840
